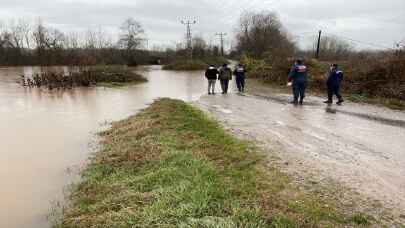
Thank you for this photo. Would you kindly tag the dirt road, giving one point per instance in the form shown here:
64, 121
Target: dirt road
360, 146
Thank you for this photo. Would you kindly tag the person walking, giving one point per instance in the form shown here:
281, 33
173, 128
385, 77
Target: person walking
298, 76
212, 75
333, 84
225, 75
240, 74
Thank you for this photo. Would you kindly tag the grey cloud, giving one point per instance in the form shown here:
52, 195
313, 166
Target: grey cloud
369, 20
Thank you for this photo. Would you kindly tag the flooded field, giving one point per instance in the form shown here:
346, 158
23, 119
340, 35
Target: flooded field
46, 136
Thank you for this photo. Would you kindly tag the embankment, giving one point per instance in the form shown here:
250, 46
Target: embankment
172, 166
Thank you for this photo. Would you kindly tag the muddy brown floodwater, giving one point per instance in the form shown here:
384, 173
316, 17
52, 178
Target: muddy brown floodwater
46, 136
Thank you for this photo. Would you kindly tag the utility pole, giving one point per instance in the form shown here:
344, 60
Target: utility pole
221, 36
189, 37
318, 45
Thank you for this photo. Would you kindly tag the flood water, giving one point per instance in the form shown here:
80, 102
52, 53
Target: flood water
46, 136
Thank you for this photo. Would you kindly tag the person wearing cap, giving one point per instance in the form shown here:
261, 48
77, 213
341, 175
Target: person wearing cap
333, 84
212, 75
225, 75
298, 76
240, 74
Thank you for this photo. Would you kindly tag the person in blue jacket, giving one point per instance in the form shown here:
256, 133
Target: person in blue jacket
240, 74
334, 80
298, 76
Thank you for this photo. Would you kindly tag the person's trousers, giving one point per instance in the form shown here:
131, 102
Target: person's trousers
299, 90
240, 83
225, 85
211, 86
334, 90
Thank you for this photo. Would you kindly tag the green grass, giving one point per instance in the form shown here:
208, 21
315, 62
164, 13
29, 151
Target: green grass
172, 166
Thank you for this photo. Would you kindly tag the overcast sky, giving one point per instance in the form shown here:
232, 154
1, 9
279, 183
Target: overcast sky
380, 23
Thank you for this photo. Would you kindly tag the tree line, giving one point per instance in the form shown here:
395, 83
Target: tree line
26, 43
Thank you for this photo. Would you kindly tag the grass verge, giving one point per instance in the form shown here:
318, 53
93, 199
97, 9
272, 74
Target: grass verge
172, 166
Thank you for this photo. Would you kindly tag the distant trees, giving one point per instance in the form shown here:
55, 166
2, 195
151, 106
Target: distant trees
24, 43
260, 34
200, 47
333, 48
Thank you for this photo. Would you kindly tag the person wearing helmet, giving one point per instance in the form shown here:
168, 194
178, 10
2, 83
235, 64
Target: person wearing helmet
298, 76
333, 83
225, 74
240, 74
212, 75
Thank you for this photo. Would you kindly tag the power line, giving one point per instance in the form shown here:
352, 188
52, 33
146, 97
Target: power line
189, 37
221, 36
318, 44
361, 42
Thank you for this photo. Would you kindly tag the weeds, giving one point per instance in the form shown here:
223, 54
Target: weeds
84, 77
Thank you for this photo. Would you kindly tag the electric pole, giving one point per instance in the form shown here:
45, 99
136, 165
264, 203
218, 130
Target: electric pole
189, 38
221, 36
319, 44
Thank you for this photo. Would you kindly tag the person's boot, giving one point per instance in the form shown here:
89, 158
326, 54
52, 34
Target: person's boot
340, 102
294, 102
328, 102
301, 102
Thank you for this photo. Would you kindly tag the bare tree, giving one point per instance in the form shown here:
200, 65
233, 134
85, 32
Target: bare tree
261, 33
199, 46
333, 48
131, 34
6, 39
131, 38
90, 39
20, 32
103, 38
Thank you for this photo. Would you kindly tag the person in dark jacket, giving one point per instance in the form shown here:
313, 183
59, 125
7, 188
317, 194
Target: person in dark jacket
212, 75
334, 80
225, 75
240, 74
298, 76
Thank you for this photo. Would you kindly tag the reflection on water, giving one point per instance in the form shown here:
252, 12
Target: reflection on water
45, 133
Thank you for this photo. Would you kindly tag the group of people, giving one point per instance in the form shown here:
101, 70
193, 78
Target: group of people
297, 78
224, 75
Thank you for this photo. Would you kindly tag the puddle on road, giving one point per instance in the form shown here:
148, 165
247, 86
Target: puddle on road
45, 133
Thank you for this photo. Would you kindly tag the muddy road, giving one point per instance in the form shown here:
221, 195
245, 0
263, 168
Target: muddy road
361, 146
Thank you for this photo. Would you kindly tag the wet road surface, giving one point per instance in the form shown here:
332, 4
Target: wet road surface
361, 146
46, 137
